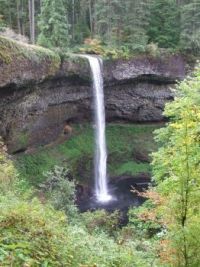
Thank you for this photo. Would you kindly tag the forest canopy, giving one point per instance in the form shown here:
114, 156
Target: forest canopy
129, 25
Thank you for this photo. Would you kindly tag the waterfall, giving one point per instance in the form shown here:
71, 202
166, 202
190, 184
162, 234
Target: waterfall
101, 183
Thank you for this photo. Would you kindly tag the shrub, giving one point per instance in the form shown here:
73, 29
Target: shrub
143, 220
31, 234
7, 170
101, 220
61, 190
98, 250
96, 46
153, 50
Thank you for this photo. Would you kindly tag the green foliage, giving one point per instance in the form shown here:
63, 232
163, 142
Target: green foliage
124, 27
132, 168
124, 140
153, 50
121, 159
99, 250
32, 167
137, 14
190, 34
143, 221
35, 234
12, 51
31, 234
53, 25
2, 23
61, 190
164, 27
101, 220
177, 174
119, 27
23, 139
7, 171
96, 46
7, 8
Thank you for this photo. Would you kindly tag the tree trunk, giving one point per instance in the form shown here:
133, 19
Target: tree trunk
22, 18
90, 18
32, 20
20, 10
18, 18
73, 19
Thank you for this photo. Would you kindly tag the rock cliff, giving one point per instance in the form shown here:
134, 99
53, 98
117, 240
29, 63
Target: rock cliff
40, 92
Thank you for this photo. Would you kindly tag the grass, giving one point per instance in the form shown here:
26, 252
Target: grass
123, 141
132, 168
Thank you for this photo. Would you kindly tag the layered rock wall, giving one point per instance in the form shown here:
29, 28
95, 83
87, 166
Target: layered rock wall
40, 93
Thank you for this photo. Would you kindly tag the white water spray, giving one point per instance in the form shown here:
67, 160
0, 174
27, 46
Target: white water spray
101, 183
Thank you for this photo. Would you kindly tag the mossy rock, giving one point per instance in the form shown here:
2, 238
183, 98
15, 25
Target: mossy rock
20, 62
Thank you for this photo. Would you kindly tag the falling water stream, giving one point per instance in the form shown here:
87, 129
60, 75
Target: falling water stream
101, 182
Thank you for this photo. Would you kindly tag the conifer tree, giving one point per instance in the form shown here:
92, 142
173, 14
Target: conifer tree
8, 13
190, 26
137, 15
53, 25
164, 27
125, 24
81, 20
108, 20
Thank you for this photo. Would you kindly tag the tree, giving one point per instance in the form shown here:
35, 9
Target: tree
8, 12
53, 25
79, 17
190, 26
136, 16
32, 20
177, 174
108, 15
164, 27
123, 25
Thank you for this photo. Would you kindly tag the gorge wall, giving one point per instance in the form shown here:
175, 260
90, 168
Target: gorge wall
40, 93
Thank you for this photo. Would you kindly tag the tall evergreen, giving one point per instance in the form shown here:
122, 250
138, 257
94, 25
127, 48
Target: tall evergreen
53, 25
8, 12
125, 24
107, 19
81, 20
164, 27
122, 23
190, 26
137, 16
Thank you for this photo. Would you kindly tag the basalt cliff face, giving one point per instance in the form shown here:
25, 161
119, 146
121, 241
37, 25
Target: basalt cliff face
40, 93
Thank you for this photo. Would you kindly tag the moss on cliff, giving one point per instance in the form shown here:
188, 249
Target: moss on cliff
75, 65
12, 52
